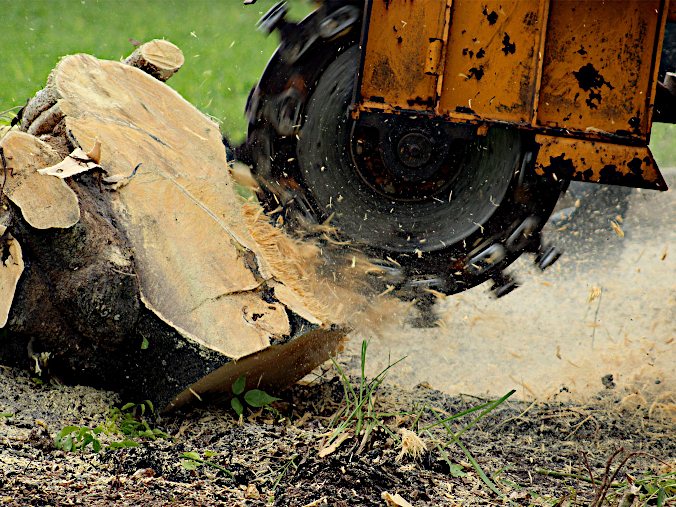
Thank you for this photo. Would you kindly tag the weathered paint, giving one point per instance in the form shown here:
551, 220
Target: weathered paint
598, 66
580, 69
595, 161
492, 59
397, 53
583, 66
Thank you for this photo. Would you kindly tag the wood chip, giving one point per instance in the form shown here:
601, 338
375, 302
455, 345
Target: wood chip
411, 445
95, 152
75, 163
320, 501
10, 272
252, 492
394, 500
331, 448
45, 203
617, 228
142, 473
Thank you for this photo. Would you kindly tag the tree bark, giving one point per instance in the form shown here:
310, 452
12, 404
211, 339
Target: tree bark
141, 269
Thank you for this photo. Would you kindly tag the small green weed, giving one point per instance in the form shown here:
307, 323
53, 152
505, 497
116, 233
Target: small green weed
254, 398
660, 489
77, 438
648, 489
277, 473
283, 471
127, 421
193, 461
456, 470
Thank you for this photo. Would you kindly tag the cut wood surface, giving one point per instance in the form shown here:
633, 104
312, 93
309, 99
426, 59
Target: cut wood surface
159, 58
44, 202
164, 278
11, 267
198, 266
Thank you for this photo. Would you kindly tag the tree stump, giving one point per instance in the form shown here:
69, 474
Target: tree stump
141, 268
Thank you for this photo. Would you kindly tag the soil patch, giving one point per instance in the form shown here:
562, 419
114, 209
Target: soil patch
274, 458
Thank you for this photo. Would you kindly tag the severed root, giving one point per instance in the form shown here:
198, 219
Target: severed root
46, 122
159, 58
42, 102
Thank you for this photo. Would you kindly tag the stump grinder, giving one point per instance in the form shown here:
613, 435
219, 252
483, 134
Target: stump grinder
437, 135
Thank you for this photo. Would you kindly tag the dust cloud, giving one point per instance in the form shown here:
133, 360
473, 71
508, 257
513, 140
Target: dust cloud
602, 318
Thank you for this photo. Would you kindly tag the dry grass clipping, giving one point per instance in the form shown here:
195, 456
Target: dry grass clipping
594, 293
411, 445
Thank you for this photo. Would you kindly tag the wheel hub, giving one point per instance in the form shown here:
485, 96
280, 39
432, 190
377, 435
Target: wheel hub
407, 159
414, 151
446, 190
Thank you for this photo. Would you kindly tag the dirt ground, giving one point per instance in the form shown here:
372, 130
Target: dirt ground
274, 458
594, 379
605, 308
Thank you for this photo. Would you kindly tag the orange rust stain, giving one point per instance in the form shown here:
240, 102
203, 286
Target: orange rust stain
574, 68
598, 65
492, 59
398, 51
584, 160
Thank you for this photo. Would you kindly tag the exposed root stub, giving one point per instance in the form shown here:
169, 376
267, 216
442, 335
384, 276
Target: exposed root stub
159, 58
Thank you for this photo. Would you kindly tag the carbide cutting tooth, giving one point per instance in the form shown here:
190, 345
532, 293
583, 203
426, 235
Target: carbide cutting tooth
547, 255
273, 19
503, 284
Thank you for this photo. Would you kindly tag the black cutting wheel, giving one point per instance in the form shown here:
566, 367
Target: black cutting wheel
451, 207
374, 200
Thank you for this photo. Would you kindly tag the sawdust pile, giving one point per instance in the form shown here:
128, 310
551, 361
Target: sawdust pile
336, 283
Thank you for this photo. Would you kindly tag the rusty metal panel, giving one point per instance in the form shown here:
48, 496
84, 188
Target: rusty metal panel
492, 58
598, 65
586, 160
402, 38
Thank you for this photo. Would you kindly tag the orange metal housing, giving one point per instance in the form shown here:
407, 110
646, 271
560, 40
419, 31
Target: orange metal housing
566, 69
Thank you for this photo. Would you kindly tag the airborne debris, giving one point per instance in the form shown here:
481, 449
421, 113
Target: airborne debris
594, 293
617, 228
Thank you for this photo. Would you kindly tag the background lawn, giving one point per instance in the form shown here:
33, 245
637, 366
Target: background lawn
225, 55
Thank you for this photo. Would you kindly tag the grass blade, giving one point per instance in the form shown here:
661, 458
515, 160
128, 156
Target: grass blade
487, 481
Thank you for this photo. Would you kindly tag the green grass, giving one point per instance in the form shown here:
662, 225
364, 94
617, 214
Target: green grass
225, 54
360, 403
663, 144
